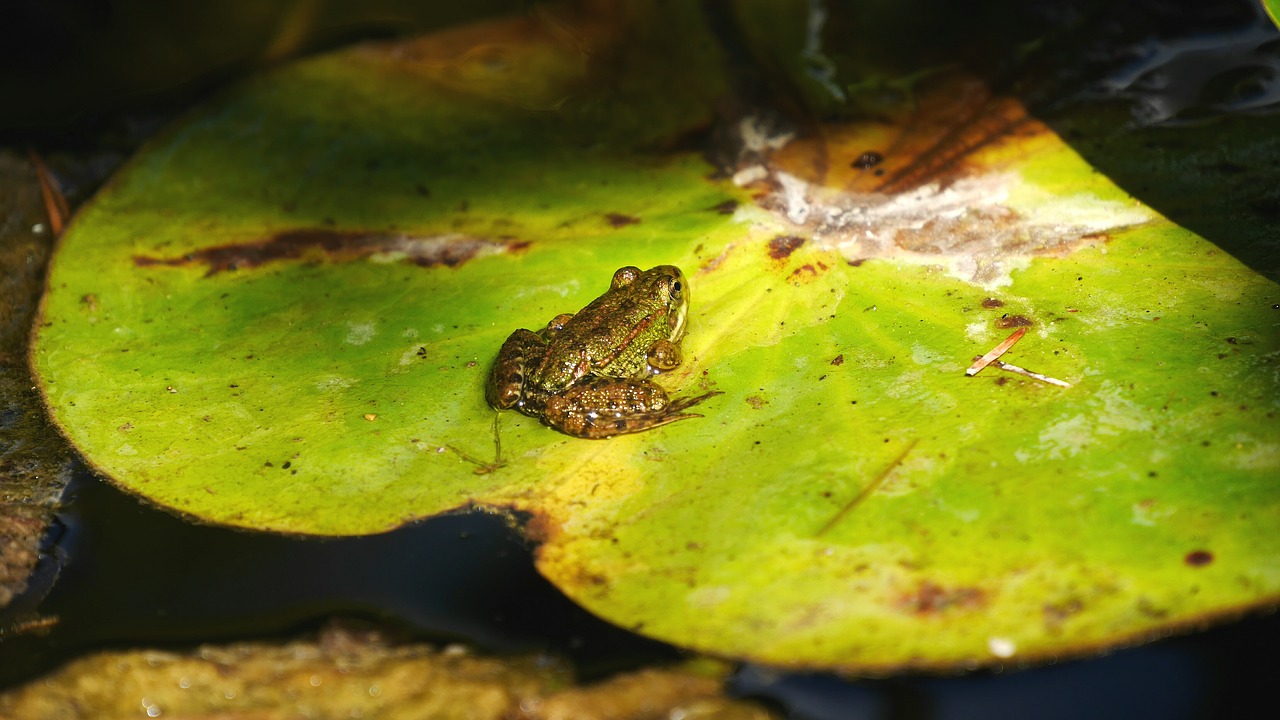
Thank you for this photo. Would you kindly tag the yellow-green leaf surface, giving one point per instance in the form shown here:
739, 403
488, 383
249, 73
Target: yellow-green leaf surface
280, 317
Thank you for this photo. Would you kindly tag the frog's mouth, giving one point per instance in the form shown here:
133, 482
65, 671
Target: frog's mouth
677, 321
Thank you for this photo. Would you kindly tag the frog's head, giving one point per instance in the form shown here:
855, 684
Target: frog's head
663, 289
677, 301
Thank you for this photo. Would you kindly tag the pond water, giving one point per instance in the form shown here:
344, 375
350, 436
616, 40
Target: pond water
125, 574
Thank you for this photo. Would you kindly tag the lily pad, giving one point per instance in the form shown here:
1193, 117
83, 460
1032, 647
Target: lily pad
33, 459
351, 671
280, 317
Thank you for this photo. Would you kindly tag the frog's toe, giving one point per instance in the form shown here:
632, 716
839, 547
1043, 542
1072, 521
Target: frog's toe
504, 391
600, 428
679, 404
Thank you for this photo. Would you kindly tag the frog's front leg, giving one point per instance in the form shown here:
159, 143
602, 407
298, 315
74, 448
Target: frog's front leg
598, 407
522, 350
664, 355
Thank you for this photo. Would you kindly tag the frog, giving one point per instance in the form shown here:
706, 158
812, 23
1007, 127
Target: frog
589, 374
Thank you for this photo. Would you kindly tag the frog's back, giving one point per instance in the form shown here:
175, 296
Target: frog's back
617, 330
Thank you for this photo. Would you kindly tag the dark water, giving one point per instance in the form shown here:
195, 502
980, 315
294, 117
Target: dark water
130, 575
124, 574
1226, 672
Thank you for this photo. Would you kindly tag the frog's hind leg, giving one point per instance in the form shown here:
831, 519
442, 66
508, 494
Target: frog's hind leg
599, 408
505, 386
639, 422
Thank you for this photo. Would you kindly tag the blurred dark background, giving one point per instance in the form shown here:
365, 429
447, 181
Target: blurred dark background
64, 62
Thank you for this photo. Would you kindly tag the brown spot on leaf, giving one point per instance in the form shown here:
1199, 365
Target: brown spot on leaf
539, 528
314, 244
990, 303
931, 598
781, 247
1150, 609
725, 208
756, 402
619, 220
838, 360
1056, 613
947, 128
1198, 558
713, 263
939, 197
806, 273
1012, 321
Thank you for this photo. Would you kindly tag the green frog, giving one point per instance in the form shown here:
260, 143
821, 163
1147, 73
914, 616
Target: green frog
588, 374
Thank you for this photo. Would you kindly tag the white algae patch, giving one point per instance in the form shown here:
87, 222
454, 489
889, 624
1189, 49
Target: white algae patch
980, 229
359, 333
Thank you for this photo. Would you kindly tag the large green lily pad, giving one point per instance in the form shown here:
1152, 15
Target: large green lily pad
280, 317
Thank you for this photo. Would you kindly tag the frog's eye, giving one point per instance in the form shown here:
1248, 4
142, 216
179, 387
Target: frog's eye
625, 276
676, 289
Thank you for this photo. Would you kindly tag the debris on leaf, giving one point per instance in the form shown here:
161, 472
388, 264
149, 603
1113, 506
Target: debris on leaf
1028, 373
869, 489
995, 352
992, 358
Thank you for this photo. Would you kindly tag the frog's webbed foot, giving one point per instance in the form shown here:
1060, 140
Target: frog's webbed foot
639, 422
679, 404
603, 407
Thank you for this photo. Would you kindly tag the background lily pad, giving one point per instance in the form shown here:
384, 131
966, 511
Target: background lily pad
280, 316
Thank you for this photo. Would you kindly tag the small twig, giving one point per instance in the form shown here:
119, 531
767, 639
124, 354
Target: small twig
55, 203
996, 352
497, 441
482, 467
870, 488
1028, 373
